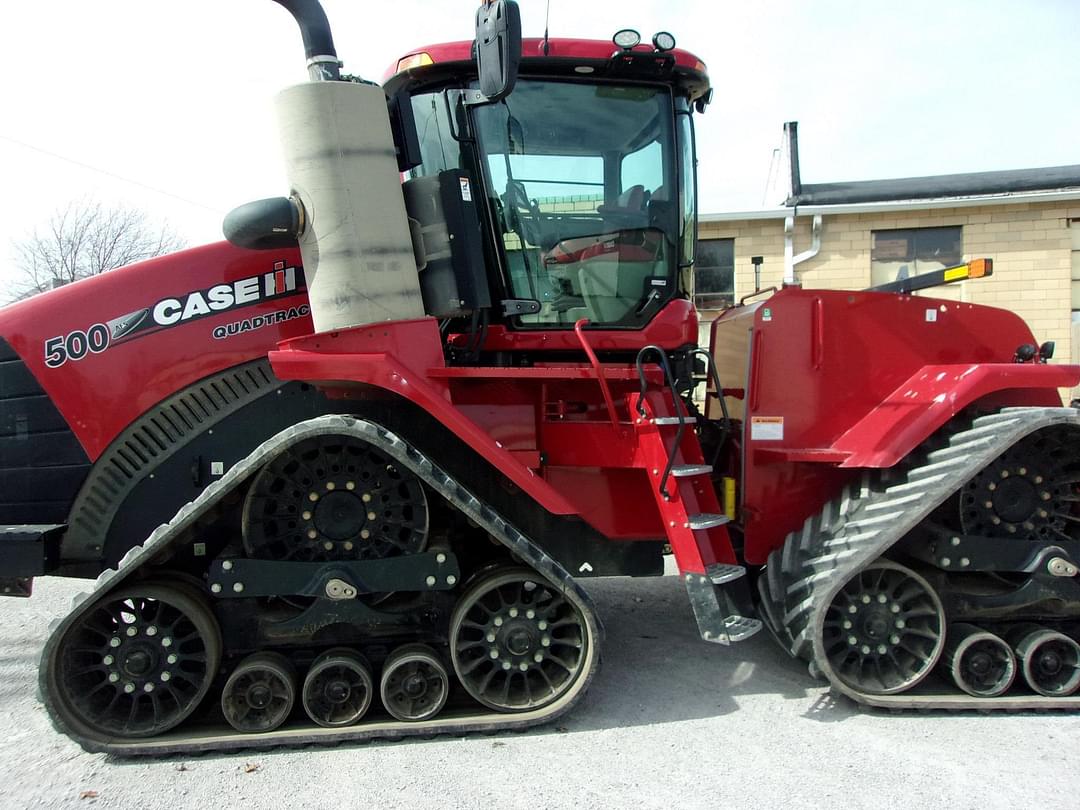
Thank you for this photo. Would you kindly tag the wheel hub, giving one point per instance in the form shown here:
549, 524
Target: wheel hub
259, 695
139, 661
337, 691
1015, 499
1050, 661
415, 685
340, 515
518, 639
980, 663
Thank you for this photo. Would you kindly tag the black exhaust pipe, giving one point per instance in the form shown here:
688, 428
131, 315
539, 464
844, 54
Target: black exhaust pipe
322, 61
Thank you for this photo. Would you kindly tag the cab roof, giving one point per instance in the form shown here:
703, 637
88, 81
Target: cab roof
562, 55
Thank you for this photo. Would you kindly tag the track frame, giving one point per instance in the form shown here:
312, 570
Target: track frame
178, 531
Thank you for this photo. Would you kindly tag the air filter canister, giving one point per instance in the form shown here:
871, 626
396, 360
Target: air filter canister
340, 161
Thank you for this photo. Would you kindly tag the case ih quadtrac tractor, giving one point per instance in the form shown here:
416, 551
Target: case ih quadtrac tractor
347, 476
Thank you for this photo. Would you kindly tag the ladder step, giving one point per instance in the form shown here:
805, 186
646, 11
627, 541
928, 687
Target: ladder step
705, 521
688, 470
720, 573
667, 420
740, 628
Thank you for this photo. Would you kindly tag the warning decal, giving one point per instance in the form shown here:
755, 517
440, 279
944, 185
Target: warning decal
766, 428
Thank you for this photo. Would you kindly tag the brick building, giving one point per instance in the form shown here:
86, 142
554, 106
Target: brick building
871, 232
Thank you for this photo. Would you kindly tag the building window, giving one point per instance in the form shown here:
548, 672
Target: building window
714, 274
900, 254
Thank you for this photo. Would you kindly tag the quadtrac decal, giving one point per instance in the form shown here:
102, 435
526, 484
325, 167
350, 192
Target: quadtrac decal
282, 282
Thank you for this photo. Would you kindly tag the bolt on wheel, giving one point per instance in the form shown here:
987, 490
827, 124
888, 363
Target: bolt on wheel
338, 688
137, 663
260, 693
885, 629
414, 683
517, 643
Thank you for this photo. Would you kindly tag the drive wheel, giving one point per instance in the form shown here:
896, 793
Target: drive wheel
517, 643
338, 689
260, 693
334, 498
414, 683
885, 629
1030, 492
137, 663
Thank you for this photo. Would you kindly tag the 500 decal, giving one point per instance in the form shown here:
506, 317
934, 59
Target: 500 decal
166, 313
76, 345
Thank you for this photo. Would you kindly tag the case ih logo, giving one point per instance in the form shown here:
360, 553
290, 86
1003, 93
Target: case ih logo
221, 298
169, 312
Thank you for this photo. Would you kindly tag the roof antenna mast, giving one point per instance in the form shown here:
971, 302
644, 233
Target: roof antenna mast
547, 16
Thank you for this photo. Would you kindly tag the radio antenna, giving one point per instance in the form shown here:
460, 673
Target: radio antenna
547, 16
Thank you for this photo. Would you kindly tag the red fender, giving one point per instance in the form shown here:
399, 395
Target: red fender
934, 394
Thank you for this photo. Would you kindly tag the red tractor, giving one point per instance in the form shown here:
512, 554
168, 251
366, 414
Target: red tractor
346, 477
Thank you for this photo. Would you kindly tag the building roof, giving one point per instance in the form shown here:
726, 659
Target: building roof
939, 187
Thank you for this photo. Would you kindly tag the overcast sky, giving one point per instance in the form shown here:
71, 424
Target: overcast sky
178, 95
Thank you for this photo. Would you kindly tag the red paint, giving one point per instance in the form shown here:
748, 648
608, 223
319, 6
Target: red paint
673, 327
548, 428
584, 50
861, 379
101, 394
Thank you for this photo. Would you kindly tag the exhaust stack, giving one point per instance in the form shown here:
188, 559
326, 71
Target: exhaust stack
322, 60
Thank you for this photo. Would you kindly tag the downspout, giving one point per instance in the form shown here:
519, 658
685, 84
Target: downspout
791, 259
791, 130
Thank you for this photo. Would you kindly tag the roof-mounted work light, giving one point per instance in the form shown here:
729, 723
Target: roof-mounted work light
626, 39
663, 41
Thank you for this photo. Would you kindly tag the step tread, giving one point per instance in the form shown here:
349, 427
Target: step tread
721, 573
687, 470
705, 520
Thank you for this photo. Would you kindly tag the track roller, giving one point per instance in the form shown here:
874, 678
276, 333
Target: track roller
414, 683
260, 693
338, 688
980, 663
1049, 660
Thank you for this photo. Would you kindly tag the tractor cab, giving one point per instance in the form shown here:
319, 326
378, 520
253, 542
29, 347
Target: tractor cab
581, 177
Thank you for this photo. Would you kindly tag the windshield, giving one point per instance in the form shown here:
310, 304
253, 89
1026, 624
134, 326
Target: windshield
582, 180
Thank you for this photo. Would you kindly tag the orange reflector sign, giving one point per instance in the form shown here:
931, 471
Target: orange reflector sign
414, 60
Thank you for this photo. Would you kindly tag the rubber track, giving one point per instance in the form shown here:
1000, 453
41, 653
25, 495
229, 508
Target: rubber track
177, 530
803, 576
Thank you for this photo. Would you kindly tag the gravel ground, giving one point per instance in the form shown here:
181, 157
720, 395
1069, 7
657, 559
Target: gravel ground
669, 721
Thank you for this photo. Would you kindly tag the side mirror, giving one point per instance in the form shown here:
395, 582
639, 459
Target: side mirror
498, 47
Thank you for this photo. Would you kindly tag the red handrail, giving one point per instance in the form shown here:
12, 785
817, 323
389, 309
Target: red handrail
579, 328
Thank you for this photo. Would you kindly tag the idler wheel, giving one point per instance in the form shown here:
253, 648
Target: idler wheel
884, 630
137, 663
338, 688
516, 642
979, 662
414, 683
260, 694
